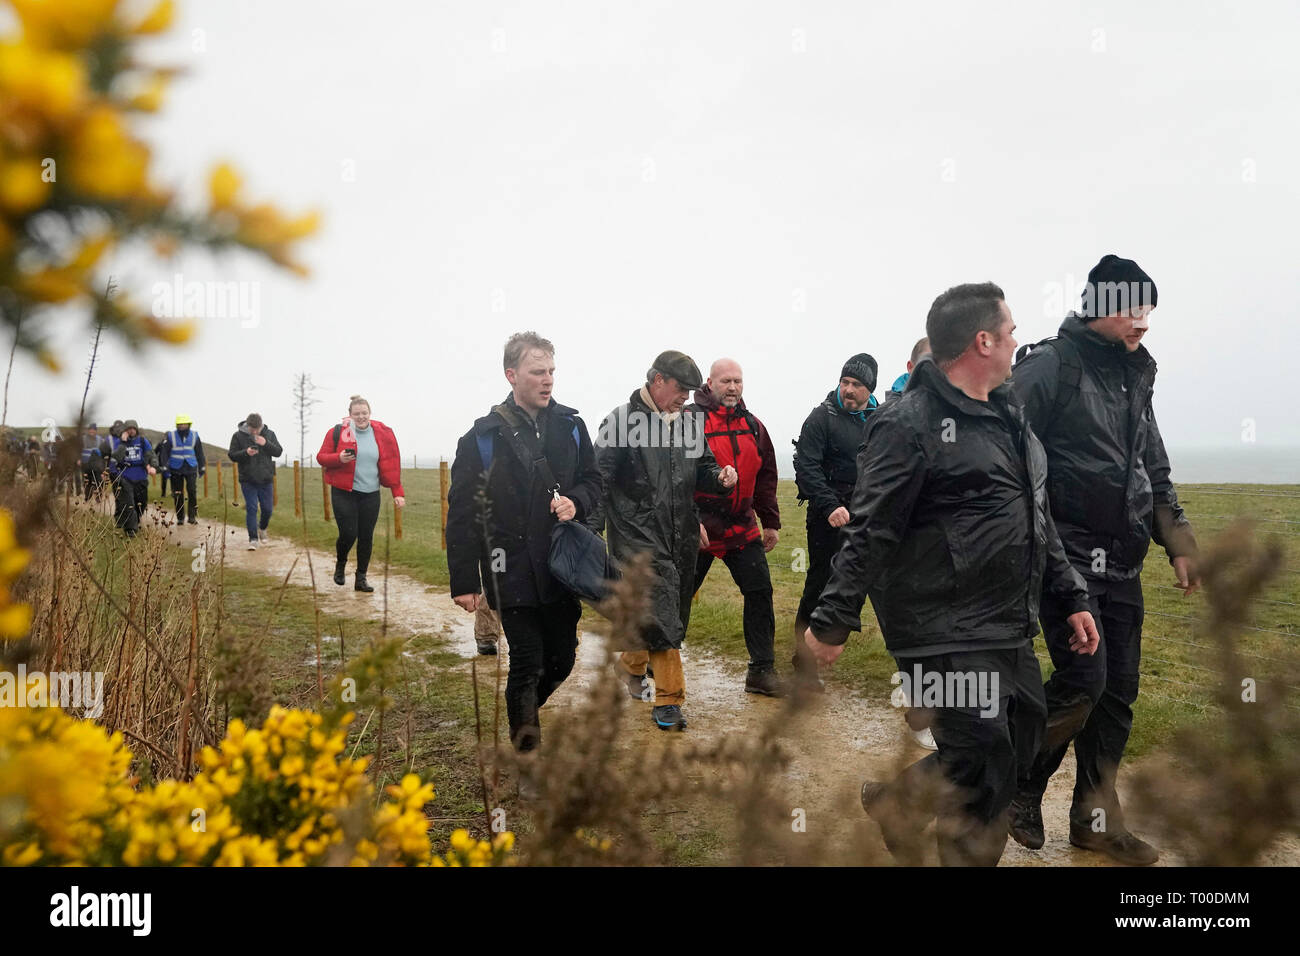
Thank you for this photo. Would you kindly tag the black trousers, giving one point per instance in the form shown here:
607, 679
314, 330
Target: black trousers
543, 646
183, 484
132, 499
91, 481
1090, 699
823, 542
355, 512
748, 567
972, 776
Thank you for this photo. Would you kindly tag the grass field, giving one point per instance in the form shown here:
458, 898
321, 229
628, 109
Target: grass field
1176, 671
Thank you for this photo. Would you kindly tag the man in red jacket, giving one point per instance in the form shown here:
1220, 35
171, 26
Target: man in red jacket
728, 529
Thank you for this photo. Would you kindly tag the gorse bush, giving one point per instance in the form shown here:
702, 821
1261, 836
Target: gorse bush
280, 795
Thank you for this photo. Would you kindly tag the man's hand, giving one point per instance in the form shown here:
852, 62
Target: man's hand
839, 517
251, 451
704, 538
399, 501
727, 476
824, 653
468, 601
151, 469
770, 537
1187, 574
260, 439
563, 508
1085, 638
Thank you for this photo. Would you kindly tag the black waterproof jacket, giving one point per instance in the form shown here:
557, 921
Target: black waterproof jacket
1089, 402
518, 536
259, 468
651, 471
951, 534
826, 455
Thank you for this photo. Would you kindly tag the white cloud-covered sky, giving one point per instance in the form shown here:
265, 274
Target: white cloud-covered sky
784, 183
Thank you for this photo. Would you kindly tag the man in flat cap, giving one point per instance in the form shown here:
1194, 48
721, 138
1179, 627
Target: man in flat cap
652, 459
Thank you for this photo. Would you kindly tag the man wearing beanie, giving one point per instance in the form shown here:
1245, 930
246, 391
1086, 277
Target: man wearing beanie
136, 464
652, 459
825, 471
1087, 393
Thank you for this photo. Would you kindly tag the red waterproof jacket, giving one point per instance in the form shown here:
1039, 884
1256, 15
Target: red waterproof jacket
737, 438
339, 474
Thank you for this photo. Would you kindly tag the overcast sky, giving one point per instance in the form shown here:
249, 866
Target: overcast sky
784, 183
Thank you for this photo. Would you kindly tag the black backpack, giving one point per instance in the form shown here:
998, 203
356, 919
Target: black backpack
1067, 384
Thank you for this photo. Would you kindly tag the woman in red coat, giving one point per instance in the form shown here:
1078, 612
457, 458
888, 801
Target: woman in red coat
359, 456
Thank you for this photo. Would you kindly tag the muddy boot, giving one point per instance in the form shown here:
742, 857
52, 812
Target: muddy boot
339, 577
763, 680
902, 837
1123, 847
1026, 821
486, 646
361, 585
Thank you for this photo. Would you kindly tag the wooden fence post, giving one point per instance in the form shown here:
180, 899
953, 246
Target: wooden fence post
234, 485
325, 493
444, 481
205, 480
297, 488
221, 485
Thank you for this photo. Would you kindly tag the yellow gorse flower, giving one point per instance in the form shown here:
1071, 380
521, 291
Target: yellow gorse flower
15, 619
270, 796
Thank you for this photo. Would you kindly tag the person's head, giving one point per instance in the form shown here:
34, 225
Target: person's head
670, 380
970, 325
529, 363
726, 382
115, 429
922, 347
857, 382
183, 423
92, 429
1117, 301
254, 423
130, 429
359, 412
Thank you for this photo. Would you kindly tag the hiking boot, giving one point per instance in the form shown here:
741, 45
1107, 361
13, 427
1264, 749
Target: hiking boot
252, 545
900, 839
339, 577
637, 687
194, 521
763, 680
1123, 847
487, 648
361, 585
669, 717
263, 537
1026, 822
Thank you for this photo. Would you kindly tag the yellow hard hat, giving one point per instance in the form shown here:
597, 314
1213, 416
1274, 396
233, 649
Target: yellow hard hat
184, 420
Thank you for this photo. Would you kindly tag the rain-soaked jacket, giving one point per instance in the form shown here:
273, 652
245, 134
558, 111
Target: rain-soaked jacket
1089, 402
951, 534
826, 454
651, 470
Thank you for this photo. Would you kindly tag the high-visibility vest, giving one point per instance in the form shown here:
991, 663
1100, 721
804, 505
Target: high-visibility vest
113, 442
182, 450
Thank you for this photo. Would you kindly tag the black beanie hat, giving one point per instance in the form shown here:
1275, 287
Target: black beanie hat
862, 367
1115, 285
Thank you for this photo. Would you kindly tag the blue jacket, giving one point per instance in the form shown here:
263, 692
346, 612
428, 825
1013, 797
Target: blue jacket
132, 456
